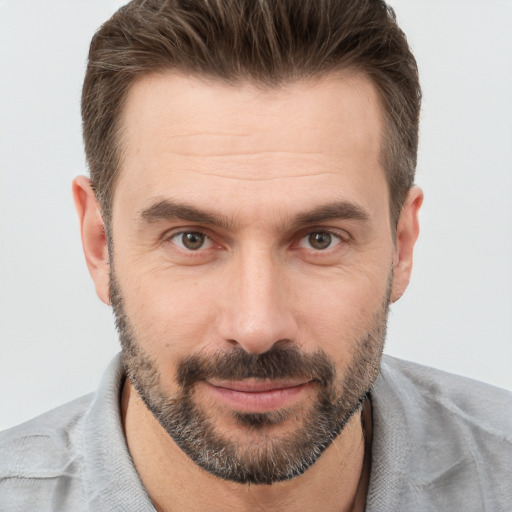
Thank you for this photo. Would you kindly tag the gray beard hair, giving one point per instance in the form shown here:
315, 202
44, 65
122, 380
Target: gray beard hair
272, 458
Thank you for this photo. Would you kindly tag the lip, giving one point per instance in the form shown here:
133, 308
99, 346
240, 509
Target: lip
257, 395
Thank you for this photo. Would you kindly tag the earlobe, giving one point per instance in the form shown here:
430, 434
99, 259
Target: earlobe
406, 235
94, 240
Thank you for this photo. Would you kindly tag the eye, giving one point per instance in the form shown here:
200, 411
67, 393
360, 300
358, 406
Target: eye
191, 240
319, 240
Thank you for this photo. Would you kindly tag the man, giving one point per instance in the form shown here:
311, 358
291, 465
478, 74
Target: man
250, 216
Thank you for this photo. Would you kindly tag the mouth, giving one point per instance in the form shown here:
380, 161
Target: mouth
258, 396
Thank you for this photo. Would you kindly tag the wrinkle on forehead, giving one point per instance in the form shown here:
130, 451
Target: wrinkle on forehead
208, 154
186, 115
260, 176
201, 133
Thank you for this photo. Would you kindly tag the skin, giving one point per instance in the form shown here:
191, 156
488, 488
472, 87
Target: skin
262, 160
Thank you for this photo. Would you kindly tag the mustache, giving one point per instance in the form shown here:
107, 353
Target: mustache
237, 364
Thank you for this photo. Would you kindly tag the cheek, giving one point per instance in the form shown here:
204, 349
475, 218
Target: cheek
339, 312
172, 315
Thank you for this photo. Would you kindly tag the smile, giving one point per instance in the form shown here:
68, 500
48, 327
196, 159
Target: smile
257, 396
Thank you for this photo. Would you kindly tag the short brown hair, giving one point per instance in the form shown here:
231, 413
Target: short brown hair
267, 42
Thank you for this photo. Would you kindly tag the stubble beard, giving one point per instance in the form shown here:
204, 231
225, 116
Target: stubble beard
271, 458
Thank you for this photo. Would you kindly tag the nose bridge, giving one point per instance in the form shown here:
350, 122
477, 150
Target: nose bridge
257, 316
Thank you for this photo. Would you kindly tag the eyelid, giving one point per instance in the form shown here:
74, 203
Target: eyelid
172, 234
334, 241
338, 232
341, 234
179, 230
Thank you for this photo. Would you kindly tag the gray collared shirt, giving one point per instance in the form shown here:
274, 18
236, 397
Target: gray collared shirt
440, 443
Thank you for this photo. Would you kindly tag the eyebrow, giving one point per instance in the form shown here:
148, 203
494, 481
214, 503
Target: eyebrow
341, 210
167, 209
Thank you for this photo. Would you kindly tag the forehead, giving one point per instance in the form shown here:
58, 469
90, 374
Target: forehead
208, 138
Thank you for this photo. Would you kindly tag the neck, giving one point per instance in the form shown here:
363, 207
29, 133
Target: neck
338, 481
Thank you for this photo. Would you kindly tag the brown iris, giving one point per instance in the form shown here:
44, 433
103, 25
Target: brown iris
320, 240
193, 240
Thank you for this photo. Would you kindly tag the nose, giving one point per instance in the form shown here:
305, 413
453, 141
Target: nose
257, 312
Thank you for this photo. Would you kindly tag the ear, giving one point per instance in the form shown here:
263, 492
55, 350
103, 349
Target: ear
406, 235
94, 240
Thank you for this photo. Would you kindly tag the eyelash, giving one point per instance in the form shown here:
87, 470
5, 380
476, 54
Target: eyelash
173, 236
341, 240
333, 237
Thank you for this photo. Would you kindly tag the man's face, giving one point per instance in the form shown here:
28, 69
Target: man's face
252, 264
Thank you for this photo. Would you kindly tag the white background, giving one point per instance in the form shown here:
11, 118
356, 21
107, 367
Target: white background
56, 337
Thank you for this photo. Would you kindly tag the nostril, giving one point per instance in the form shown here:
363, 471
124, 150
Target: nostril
259, 346
283, 341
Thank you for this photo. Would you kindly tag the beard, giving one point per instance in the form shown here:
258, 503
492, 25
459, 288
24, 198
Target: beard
262, 457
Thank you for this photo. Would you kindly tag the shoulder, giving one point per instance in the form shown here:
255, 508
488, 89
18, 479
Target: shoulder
441, 441
42, 455
485, 407
38, 446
